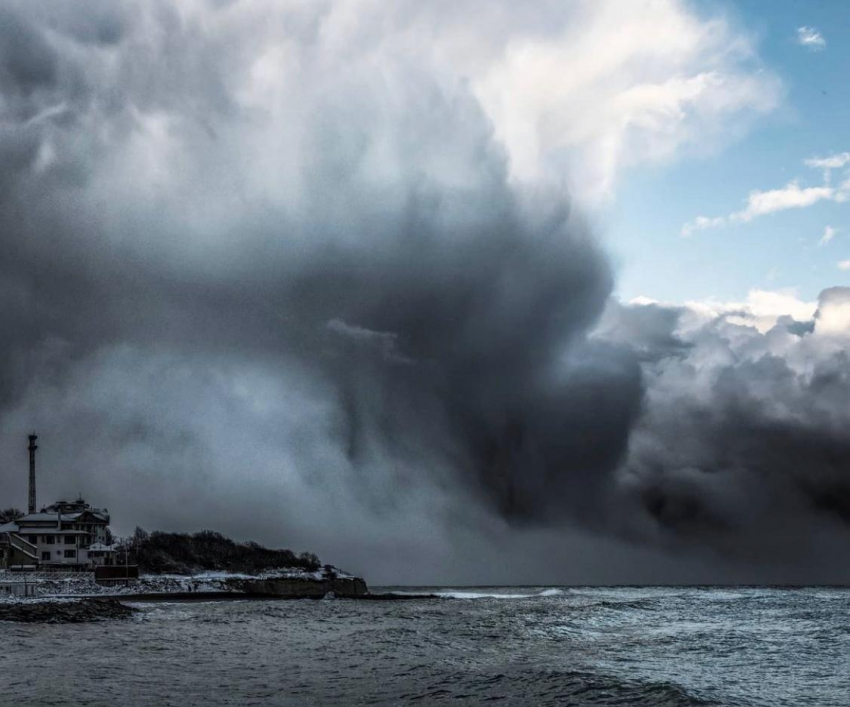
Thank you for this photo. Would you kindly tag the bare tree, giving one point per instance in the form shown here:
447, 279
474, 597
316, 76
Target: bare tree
10, 514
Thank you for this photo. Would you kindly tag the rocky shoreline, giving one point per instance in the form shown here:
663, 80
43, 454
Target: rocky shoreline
278, 588
81, 600
65, 611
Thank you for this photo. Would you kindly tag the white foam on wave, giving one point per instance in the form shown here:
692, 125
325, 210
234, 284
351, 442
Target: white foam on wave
494, 595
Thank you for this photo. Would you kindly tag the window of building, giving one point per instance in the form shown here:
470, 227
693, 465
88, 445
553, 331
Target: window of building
70, 553
48, 539
69, 539
45, 556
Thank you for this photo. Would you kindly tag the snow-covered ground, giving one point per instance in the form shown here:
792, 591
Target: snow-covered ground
83, 584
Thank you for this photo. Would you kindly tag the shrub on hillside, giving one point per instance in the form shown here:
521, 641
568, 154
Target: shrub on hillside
184, 553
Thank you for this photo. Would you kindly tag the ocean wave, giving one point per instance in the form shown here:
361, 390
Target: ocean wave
608, 690
656, 647
554, 687
495, 595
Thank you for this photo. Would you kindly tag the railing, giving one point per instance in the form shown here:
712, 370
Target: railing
21, 545
20, 539
39, 576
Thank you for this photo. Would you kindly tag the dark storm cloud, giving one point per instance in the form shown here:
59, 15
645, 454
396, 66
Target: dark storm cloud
331, 308
743, 445
266, 271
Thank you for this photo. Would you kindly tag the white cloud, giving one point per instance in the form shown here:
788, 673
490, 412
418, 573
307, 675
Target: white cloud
833, 317
844, 264
836, 161
616, 84
811, 38
761, 309
791, 196
827, 164
575, 92
761, 203
828, 235
643, 300
701, 223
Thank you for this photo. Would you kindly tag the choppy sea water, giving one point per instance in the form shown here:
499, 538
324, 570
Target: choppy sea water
510, 646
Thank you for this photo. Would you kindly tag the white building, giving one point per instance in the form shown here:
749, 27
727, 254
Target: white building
65, 535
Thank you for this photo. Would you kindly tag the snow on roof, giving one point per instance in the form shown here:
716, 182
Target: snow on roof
54, 517
35, 517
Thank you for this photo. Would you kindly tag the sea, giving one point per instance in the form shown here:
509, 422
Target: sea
469, 646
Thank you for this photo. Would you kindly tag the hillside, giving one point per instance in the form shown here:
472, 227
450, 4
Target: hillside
184, 553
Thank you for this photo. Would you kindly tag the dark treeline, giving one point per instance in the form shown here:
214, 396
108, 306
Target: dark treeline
184, 553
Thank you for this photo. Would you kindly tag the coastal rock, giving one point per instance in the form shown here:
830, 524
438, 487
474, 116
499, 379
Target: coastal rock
60, 612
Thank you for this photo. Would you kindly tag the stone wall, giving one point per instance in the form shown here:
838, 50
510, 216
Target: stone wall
301, 588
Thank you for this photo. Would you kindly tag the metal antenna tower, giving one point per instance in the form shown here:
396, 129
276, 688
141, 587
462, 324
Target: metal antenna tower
33, 446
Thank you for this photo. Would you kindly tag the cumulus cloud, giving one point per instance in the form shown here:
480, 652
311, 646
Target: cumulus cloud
810, 38
270, 258
621, 84
761, 309
309, 273
742, 445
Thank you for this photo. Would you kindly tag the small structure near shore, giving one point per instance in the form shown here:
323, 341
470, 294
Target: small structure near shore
116, 575
16, 588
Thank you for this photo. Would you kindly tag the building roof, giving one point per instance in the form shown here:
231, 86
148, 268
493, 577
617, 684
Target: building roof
32, 517
54, 517
9, 528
